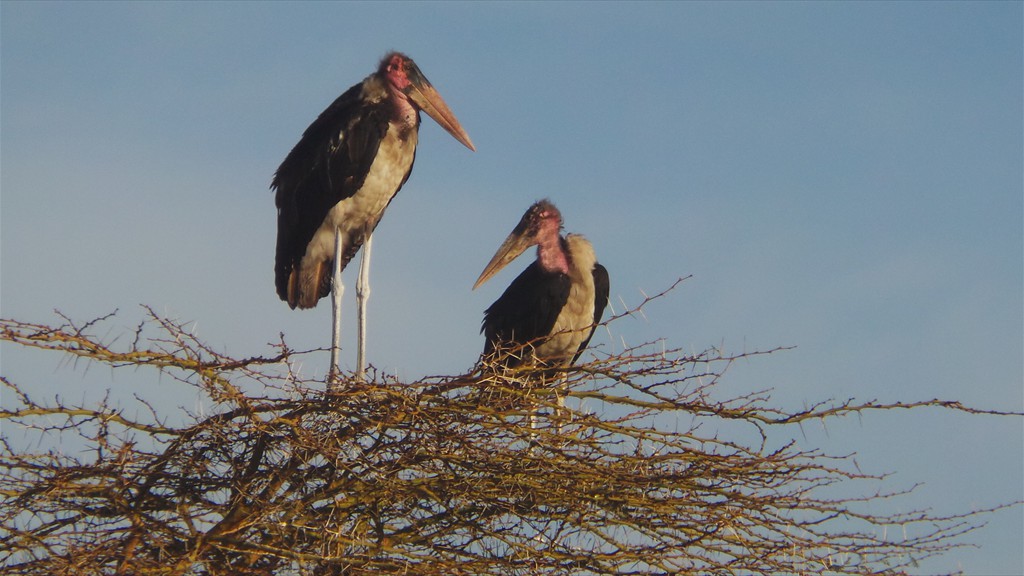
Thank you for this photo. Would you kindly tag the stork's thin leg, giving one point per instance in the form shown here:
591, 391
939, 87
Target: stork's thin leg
560, 405
337, 289
362, 295
533, 431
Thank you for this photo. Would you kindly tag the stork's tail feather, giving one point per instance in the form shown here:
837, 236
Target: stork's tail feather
293, 288
326, 271
307, 285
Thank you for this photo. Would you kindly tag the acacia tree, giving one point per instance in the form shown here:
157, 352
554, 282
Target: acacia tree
475, 474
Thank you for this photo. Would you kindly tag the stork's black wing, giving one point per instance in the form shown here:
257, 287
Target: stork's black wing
602, 288
329, 164
527, 310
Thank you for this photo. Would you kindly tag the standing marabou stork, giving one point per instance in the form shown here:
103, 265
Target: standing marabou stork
333, 187
550, 311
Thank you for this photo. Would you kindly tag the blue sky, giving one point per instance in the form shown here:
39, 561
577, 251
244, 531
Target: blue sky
845, 178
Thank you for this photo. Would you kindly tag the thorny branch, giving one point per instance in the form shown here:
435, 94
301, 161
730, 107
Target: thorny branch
473, 474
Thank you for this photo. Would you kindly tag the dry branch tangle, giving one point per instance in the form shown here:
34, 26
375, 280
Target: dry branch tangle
440, 476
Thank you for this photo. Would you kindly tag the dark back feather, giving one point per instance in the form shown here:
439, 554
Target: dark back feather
329, 163
527, 310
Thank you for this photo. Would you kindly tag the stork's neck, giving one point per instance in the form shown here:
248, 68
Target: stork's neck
403, 111
551, 254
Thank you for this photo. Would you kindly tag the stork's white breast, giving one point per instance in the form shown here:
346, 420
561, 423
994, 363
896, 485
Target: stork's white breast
363, 209
577, 316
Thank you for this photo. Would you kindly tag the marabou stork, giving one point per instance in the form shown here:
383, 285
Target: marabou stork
334, 185
548, 314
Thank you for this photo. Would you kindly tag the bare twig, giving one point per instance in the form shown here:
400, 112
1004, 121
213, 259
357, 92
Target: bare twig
445, 475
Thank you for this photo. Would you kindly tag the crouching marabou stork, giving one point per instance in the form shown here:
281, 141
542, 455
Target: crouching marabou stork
548, 314
333, 187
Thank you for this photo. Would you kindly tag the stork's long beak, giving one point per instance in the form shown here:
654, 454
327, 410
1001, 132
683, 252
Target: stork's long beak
516, 243
429, 100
